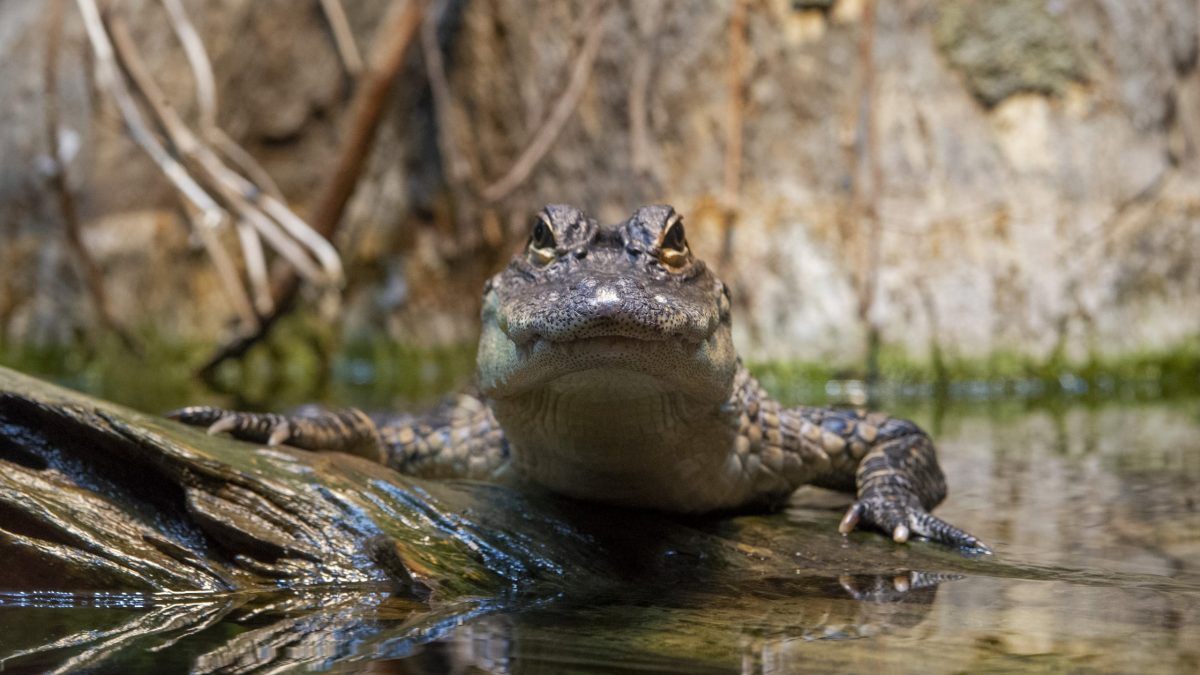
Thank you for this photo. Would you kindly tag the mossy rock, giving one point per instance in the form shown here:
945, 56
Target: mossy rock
1006, 47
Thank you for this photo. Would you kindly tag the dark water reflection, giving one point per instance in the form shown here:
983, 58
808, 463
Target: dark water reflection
1094, 514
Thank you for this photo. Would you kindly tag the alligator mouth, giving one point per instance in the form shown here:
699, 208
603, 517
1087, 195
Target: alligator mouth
607, 331
610, 352
614, 359
681, 322
615, 337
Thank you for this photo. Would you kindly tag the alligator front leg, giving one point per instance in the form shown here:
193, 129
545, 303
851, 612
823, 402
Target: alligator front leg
892, 467
460, 439
349, 430
889, 463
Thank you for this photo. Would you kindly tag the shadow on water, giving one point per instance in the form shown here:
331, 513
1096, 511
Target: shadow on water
1093, 510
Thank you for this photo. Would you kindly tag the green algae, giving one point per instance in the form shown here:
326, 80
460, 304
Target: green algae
293, 367
1142, 375
376, 373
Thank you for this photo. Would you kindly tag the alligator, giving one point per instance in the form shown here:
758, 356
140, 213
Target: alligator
607, 372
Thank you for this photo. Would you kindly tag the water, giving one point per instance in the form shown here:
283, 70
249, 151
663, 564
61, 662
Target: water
1093, 511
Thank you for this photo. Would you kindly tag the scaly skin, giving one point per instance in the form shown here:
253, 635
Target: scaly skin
607, 372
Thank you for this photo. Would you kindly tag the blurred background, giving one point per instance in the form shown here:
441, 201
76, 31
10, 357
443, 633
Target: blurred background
941, 195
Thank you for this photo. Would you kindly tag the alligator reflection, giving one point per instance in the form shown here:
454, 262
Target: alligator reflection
335, 630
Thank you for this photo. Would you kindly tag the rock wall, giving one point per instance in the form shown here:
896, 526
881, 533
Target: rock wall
1038, 163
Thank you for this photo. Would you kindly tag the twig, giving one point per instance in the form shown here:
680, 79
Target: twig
292, 224
394, 38
119, 44
343, 37
244, 161
212, 214
256, 267
93, 279
110, 80
226, 271
190, 147
207, 100
866, 198
641, 159
197, 56
366, 109
458, 170
937, 361
543, 139
733, 124
283, 229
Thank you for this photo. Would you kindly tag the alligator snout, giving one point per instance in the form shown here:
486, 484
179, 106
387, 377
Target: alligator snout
598, 306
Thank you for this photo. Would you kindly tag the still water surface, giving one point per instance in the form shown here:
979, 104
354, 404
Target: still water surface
1093, 511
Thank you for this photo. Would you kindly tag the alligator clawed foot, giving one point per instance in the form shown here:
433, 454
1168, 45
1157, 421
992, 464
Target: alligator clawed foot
267, 428
902, 518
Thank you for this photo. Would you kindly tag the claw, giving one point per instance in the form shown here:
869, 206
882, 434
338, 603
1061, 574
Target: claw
935, 528
853, 514
223, 424
969, 542
900, 534
279, 434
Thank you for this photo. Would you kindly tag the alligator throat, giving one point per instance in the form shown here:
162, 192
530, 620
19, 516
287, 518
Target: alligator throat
613, 435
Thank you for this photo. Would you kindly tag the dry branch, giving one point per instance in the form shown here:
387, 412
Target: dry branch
641, 155
197, 56
206, 99
287, 233
199, 173
395, 36
866, 189
93, 279
458, 170
733, 125
393, 39
109, 79
244, 161
543, 139
226, 269
234, 192
343, 37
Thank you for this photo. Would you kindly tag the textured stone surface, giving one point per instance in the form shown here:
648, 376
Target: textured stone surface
1039, 191
1008, 47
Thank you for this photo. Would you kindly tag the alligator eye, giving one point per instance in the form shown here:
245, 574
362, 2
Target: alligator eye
673, 243
541, 240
